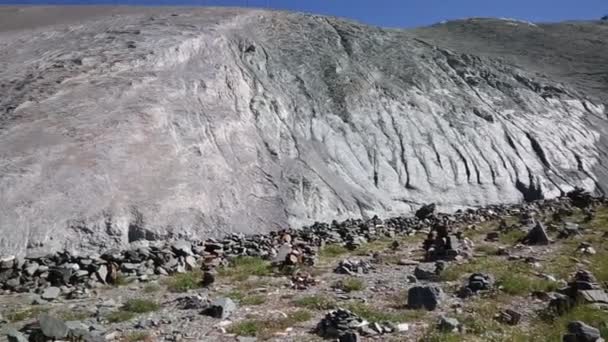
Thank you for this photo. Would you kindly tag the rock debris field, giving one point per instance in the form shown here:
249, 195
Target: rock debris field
534, 271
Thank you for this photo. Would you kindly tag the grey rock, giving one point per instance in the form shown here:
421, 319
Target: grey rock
581, 332
282, 253
31, 268
594, 296
13, 335
51, 293
52, 327
182, 248
102, 273
426, 271
447, 324
220, 308
298, 129
424, 297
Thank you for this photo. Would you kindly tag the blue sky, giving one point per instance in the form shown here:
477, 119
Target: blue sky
396, 13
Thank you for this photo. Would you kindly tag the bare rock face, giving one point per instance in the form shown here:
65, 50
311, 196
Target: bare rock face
143, 124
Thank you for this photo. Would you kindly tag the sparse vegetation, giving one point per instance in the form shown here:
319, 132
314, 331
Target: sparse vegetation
131, 308
184, 282
136, 336
332, 251
119, 316
151, 288
246, 299
241, 268
73, 315
350, 284
316, 302
264, 328
22, 314
140, 306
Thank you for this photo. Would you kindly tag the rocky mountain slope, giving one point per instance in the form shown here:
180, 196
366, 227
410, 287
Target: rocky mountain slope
118, 125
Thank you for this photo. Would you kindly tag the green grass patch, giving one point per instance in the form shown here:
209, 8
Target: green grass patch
119, 316
515, 277
241, 268
131, 308
140, 306
73, 315
151, 288
315, 302
17, 315
122, 280
350, 284
246, 299
136, 336
332, 251
265, 328
512, 237
374, 314
183, 282
551, 328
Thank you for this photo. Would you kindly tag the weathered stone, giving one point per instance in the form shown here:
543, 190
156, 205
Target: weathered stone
427, 297
426, 211
52, 327
51, 293
447, 324
537, 235
102, 273
594, 296
13, 335
220, 308
182, 248
581, 332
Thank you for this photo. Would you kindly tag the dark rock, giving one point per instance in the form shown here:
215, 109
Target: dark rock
426, 211
337, 323
60, 276
427, 297
349, 336
581, 332
220, 308
52, 328
208, 279
537, 235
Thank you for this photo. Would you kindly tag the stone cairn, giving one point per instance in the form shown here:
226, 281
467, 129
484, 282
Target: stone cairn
73, 273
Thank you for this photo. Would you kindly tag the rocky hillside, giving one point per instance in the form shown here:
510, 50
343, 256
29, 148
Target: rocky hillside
118, 125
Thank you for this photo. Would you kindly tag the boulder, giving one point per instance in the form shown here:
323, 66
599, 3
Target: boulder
220, 308
51, 293
581, 332
537, 235
424, 297
52, 328
426, 211
13, 335
447, 324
